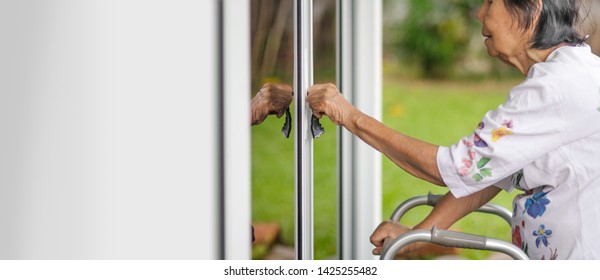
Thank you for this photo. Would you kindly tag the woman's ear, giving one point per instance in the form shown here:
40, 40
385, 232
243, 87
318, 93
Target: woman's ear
538, 13
535, 20
540, 6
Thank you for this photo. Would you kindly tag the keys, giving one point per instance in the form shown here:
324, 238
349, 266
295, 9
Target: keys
287, 125
315, 125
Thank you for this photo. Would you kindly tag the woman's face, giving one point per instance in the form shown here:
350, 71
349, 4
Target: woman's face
503, 37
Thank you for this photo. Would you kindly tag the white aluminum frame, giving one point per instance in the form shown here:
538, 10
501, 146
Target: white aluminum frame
359, 78
236, 111
303, 148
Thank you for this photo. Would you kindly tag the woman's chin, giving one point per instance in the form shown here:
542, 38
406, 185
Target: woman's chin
490, 49
491, 52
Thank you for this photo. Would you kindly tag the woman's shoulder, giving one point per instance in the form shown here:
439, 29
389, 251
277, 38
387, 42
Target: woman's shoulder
570, 77
567, 68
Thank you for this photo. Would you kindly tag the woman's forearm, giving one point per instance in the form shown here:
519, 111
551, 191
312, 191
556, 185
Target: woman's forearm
450, 209
418, 158
414, 156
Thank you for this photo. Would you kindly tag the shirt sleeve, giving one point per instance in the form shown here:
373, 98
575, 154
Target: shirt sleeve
528, 125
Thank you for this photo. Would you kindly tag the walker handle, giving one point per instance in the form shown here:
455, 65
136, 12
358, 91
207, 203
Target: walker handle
458, 239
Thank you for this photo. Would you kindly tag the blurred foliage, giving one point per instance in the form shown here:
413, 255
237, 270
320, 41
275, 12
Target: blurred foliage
438, 39
435, 34
422, 38
427, 38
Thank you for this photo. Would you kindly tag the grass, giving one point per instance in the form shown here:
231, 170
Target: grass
273, 183
437, 112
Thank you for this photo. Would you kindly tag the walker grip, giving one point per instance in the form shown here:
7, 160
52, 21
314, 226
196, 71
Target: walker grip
457, 239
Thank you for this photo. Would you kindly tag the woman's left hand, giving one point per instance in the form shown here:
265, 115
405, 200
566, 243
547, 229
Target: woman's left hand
325, 99
389, 230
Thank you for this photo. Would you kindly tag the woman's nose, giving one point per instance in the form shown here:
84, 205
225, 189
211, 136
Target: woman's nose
481, 12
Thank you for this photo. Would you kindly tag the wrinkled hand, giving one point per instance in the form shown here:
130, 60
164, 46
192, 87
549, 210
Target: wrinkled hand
325, 99
389, 230
272, 99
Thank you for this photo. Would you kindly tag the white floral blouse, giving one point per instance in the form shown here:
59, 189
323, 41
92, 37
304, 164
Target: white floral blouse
545, 141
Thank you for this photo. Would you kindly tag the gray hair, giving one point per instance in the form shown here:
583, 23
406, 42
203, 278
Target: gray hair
558, 23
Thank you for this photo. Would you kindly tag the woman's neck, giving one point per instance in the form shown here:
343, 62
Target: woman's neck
534, 56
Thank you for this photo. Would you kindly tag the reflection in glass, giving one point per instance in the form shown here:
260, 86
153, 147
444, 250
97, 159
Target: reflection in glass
272, 59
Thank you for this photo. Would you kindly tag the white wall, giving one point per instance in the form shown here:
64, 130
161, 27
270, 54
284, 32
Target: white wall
108, 129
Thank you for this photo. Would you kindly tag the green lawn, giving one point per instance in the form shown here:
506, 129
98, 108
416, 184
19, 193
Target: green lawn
437, 112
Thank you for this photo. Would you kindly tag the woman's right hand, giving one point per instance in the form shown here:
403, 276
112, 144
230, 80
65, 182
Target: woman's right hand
325, 99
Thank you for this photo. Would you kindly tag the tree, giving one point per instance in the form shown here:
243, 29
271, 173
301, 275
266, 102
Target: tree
435, 34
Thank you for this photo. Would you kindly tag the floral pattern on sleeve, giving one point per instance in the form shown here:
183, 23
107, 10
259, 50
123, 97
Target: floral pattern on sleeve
477, 168
504, 130
472, 167
477, 140
518, 182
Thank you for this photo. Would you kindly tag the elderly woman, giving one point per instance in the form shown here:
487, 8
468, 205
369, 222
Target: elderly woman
544, 140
